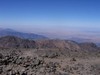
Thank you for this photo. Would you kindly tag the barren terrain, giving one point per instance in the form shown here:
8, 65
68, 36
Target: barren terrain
46, 62
48, 57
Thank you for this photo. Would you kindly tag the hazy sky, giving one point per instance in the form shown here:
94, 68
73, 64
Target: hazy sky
57, 17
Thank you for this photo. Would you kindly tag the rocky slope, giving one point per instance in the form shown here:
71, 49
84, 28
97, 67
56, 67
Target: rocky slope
48, 57
29, 62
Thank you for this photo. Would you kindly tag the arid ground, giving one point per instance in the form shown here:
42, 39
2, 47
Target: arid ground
48, 62
48, 57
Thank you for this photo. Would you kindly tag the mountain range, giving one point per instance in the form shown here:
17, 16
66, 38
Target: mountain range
33, 36
16, 42
11, 32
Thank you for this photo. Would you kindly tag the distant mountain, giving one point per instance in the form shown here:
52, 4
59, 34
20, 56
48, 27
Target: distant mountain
10, 32
88, 46
80, 40
84, 40
98, 44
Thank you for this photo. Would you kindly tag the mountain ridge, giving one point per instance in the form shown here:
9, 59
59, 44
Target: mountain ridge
11, 32
16, 42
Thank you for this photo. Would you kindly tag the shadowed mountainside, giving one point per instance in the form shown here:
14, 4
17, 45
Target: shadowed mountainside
15, 42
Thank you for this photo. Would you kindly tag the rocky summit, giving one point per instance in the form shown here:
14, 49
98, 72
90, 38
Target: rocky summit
48, 57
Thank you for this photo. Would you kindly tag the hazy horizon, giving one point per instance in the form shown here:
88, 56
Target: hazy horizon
59, 18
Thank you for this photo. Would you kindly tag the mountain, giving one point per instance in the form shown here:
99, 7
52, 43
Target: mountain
10, 32
16, 42
59, 44
80, 40
88, 46
84, 40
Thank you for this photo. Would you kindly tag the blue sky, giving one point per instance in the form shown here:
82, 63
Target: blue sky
55, 17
